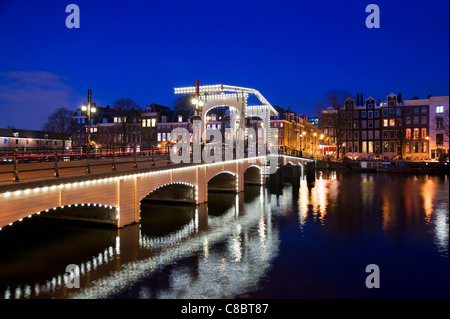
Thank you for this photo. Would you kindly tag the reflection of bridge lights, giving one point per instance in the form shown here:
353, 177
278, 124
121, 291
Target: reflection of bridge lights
237, 276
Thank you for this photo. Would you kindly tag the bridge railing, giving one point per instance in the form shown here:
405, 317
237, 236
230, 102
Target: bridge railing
52, 160
20, 161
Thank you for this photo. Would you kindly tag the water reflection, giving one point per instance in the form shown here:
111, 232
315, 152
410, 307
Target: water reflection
223, 249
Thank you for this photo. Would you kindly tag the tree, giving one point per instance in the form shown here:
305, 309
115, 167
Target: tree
60, 121
334, 99
124, 105
183, 102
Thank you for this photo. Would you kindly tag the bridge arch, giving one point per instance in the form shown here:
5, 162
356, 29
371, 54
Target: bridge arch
96, 212
224, 181
173, 192
253, 175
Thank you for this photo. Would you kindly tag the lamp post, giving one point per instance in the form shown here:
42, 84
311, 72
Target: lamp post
313, 141
322, 144
301, 152
89, 110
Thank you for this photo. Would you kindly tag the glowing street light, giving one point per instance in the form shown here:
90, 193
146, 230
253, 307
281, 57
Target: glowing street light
89, 110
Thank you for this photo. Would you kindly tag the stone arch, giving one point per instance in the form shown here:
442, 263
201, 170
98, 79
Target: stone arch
252, 175
223, 181
173, 192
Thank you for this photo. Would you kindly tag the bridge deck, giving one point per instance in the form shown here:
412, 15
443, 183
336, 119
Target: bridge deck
41, 174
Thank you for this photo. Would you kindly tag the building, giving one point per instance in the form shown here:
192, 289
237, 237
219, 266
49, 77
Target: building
31, 142
108, 127
295, 134
416, 129
149, 118
394, 129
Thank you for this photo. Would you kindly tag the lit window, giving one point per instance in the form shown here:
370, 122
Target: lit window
391, 122
385, 122
180, 118
159, 137
416, 133
424, 132
440, 109
153, 123
424, 147
144, 123
408, 133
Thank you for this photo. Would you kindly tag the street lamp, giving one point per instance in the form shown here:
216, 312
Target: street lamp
198, 105
321, 146
88, 109
312, 144
301, 151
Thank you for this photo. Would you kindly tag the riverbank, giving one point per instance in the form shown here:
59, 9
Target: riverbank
394, 167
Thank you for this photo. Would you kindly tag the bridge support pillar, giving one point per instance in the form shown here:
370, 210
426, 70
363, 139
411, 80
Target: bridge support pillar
239, 177
129, 208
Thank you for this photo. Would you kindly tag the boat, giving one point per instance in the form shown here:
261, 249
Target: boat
401, 167
364, 165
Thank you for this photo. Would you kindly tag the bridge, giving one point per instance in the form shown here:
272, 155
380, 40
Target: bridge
115, 197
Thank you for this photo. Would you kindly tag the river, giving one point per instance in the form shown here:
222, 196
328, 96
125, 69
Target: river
279, 241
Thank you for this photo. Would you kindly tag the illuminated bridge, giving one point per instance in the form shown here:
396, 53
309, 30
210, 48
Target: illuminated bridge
115, 197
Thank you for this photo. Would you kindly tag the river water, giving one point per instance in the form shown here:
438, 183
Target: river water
283, 240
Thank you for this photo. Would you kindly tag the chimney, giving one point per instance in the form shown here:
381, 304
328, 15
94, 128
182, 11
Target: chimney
362, 100
357, 99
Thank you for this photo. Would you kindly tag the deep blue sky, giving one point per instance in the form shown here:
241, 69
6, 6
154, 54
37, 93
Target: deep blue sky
292, 51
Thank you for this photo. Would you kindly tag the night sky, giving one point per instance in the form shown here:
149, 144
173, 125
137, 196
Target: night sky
292, 51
